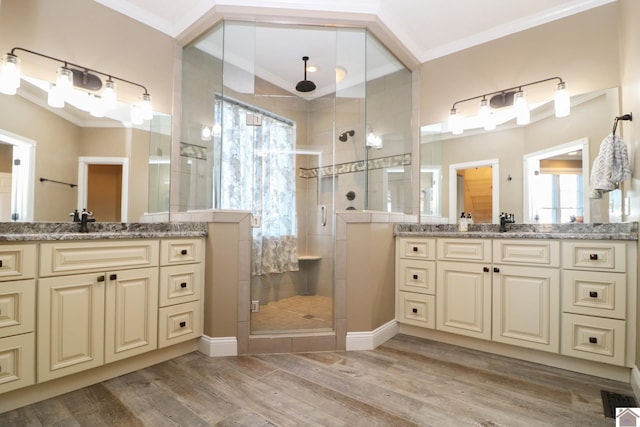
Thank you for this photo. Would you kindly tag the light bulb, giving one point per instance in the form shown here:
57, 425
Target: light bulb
55, 98
562, 100
64, 81
521, 108
455, 122
205, 133
109, 96
486, 116
9, 74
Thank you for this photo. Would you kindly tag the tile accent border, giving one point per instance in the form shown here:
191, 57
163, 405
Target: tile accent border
357, 166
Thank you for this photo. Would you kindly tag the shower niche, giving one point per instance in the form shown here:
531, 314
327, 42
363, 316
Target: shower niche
252, 141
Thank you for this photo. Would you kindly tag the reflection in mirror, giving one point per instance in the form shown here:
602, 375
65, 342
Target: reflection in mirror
591, 117
475, 191
43, 151
556, 184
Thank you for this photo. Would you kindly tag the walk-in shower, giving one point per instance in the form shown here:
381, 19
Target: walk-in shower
251, 141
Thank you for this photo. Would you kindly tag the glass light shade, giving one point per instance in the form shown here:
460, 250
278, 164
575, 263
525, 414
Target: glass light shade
9, 74
55, 98
145, 107
109, 96
486, 116
374, 141
562, 100
136, 115
521, 108
64, 81
205, 133
217, 130
455, 122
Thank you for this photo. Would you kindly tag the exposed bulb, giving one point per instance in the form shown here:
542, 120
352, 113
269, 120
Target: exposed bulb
9, 74
455, 122
521, 108
109, 96
562, 100
145, 107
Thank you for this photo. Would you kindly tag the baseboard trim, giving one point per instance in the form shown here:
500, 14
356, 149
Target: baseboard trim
218, 346
372, 339
635, 382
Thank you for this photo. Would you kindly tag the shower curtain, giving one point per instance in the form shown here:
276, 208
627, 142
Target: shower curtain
258, 174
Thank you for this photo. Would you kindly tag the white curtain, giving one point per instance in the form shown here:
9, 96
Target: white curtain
258, 174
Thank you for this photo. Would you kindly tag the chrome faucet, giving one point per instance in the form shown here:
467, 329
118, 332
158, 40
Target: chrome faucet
85, 217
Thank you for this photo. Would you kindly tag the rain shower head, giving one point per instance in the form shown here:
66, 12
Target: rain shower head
305, 85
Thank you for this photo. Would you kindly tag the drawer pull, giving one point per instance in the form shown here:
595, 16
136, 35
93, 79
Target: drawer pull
415, 277
496, 270
183, 324
593, 257
593, 294
0, 263
113, 277
415, 249
593, 340
485, 269
183, 284
100, 278
183, 252
414, 310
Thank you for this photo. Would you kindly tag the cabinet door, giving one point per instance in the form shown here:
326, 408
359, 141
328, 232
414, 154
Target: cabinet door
463, 299
70, 324
131, 313
526, 307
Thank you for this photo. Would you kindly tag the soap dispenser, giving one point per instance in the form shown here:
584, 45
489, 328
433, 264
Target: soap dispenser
463, 224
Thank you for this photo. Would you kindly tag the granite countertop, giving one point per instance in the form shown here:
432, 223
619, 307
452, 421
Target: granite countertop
614, 231
22, 231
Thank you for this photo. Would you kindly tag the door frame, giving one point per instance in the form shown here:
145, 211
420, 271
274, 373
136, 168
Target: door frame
495, 191
22, 178
83, 176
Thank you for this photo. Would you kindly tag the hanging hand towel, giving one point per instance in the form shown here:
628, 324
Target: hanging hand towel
610, 167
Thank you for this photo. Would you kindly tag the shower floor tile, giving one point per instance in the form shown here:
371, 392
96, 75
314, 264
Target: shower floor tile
300, 312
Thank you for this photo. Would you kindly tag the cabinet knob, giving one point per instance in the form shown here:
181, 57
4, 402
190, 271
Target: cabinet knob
183, 252
113, 277
0, 263
183, 324
414, 310
593, 294
415, 249
100, 278
485, 269
183, 284
593, 257
415, 277
496, 270
593, 340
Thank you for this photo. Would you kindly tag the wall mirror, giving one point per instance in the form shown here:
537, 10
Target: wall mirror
590, 121
53, 161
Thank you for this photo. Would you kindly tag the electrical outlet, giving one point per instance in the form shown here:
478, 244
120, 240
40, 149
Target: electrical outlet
255, 221
255, 306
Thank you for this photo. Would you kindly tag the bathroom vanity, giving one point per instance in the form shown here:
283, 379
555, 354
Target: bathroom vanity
77, 308
561, 295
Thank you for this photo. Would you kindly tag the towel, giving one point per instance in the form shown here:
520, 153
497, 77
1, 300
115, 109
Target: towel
610, 167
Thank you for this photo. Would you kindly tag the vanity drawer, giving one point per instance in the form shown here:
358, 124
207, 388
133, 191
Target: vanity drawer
179, 323
594, 293
538, 252
593, 338
17, 261
179, 284
417, 309
416, 276
180, 251
416, 248
464, 249
17, 362
590, 255
83, 257
17, 307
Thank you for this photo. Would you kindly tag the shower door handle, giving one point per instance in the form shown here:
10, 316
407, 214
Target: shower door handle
323, 214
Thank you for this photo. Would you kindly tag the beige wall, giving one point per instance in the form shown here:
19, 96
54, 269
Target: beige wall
370, 276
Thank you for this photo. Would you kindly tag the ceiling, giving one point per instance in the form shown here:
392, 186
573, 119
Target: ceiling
427, 28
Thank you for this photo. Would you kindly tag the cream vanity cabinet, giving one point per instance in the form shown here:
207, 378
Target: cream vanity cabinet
416, 281
17, 316
97, 303
594, 304
463, 290
180, 317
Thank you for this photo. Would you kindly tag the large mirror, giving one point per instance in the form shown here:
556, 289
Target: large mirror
53, 161
510, 149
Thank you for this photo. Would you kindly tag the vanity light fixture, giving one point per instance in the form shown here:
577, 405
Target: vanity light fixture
71, 75
514, 97
373, 141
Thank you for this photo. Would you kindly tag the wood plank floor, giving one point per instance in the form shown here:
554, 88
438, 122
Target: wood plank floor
405, 382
